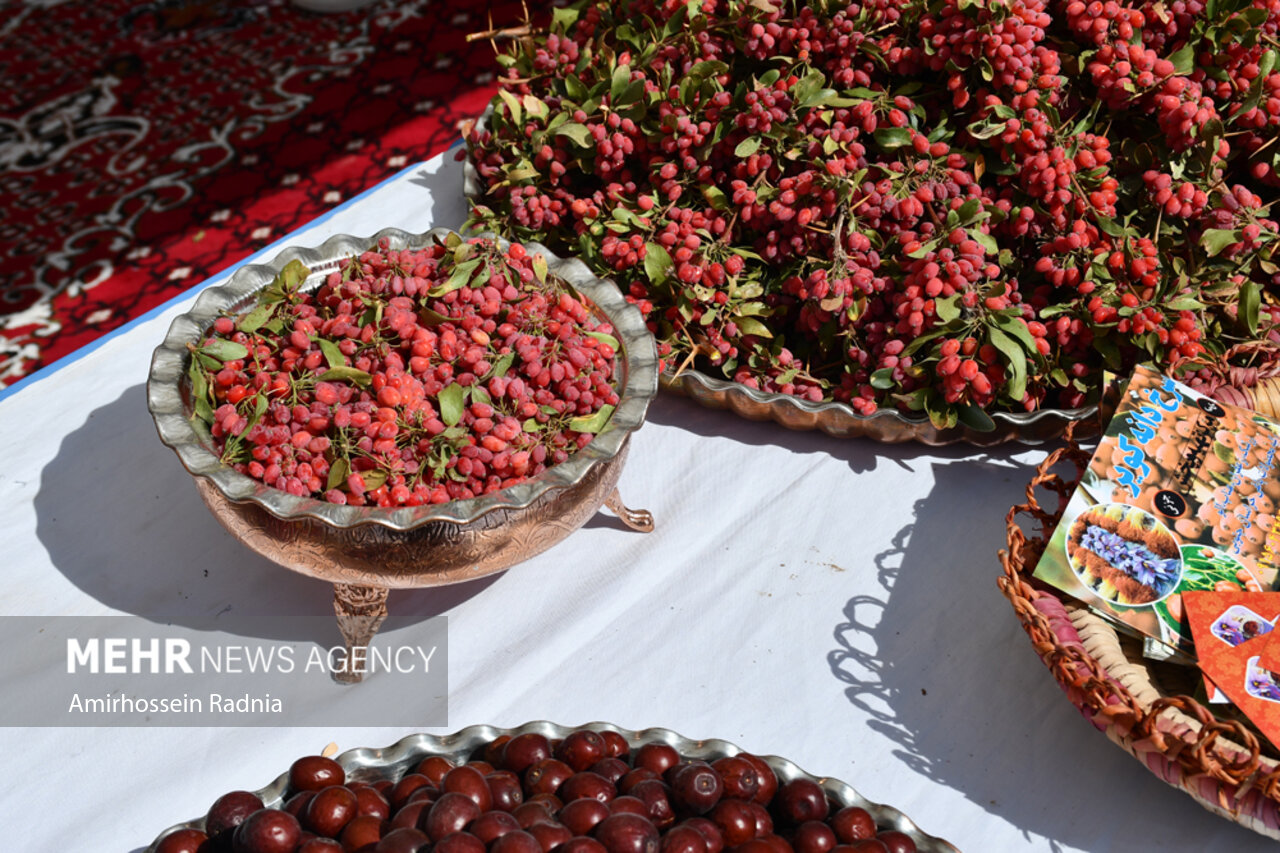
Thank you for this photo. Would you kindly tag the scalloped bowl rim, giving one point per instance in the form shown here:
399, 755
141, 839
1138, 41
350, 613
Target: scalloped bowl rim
774, 398
414, 747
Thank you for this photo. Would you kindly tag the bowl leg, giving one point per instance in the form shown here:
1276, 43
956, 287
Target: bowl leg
636, 519
360, 611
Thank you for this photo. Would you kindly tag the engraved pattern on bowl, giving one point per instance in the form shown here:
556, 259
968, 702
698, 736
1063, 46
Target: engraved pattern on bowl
408, 547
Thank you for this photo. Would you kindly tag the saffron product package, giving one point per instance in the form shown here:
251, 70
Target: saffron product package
1232, 632
1181, 495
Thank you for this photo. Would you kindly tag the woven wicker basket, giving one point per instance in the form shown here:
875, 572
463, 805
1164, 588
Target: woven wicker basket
1140, 704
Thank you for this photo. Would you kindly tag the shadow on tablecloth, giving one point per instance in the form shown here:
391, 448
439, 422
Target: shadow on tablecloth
122, 521
940, 665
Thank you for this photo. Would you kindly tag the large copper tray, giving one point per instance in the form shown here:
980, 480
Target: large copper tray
393, 762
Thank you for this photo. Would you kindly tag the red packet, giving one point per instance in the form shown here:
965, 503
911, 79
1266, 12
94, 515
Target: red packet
1225, 620
1271, 654
1253, 688
1231, 629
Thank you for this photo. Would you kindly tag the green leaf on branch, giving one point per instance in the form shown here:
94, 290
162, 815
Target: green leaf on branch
986, 241
716, 198
203, 411
224, 350
513, 106
825, 98
1267, 63
1184, 59
576, 88
256, 318
1259, 86
1249, 302
563, 19
975, 418
338, 472
940, 414
293, 275
502, 365
618, 85
199, 385
1017, 327
947, 309
576, 132
535, 107
882, 379
332, 354
674, 24
925, 248
752, 326
969, 210
1017, 359
918, 343
657, 262
605, 339
260, 406
1109, 351
986, 129
345, 374
1109, 226
451, 402
592, 423
460, 276
431, 318
747, 147
807, 88
706, 68
1215, 240
892, 137
523, 171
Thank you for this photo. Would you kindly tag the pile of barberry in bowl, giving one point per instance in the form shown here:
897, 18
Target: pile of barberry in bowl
542, 788
953, 211
403, 379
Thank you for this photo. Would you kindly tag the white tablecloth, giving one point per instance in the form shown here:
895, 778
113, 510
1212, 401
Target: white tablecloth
830, 601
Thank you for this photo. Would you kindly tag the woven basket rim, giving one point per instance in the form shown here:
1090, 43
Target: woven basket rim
1217, 762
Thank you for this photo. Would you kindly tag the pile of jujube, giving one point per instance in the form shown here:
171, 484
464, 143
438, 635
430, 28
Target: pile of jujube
409, 377
945, 207
587, 793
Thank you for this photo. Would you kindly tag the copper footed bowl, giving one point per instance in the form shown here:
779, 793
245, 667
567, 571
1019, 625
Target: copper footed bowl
366, 551
395, 761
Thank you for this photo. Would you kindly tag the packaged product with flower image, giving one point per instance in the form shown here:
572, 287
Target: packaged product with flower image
1233, 632
1180, 495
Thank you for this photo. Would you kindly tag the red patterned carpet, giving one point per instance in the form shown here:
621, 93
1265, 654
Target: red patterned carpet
146, 146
